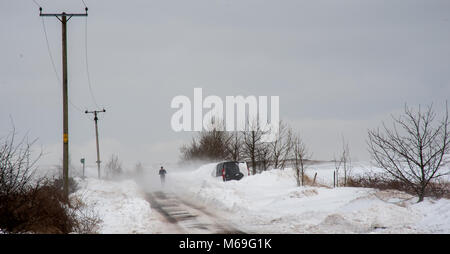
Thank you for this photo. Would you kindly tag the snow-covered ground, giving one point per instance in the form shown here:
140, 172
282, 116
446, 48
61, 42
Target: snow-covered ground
269, 202
120, 205
272, 203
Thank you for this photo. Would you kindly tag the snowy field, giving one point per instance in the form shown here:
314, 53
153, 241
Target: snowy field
269, 202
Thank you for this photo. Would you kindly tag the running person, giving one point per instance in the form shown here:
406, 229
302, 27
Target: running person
162, 175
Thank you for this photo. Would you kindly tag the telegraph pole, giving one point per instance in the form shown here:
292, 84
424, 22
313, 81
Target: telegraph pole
96, 135
64, 18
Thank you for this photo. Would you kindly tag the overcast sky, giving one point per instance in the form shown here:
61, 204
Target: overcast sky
339, 68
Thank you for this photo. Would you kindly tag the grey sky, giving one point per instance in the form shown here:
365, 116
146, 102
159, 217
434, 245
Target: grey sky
339, 67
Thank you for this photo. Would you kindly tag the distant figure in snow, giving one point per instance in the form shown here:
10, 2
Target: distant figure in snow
162, 175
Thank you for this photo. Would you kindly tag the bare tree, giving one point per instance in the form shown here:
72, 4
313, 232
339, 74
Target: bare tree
234, 146
414, 149
252, 145
139, 168
263, 155
113, 166
281, 146
209, 145
191, 151
344, 162
212, 144
300, 155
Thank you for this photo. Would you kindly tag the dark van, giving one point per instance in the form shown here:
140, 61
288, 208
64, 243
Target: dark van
231, 170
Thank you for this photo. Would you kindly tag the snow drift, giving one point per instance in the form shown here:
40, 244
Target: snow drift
120, 205
271, 202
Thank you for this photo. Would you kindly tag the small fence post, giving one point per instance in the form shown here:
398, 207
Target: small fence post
334, 179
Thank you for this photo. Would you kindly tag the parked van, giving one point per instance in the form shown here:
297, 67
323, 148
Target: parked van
231, 170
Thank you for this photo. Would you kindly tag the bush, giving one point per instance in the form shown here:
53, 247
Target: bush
59, 183
35, 205
43, 209
207, 146
39, 210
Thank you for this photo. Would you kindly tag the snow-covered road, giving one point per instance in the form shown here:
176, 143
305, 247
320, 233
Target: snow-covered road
127, 207
186, 217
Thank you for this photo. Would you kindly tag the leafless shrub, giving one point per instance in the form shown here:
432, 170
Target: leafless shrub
308, 181
44, 209
73, 186
39, 209
435, 189
86, 220
209, 145
438, 189
378, 181
17, 165
27, 203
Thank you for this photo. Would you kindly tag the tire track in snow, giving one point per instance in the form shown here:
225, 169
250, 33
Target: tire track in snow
186, 217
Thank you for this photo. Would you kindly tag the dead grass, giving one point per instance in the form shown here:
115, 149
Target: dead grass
436, 189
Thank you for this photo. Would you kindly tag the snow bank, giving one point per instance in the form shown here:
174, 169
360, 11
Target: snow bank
271, 202
120, 205
436, 216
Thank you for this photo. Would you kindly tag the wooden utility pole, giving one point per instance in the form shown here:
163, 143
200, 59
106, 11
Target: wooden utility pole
96, 135
63, 18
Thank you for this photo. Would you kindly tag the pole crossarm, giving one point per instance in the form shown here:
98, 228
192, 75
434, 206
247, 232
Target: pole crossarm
94, 111
63, 14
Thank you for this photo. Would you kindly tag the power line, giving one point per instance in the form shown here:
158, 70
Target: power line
53, 62
54, 65
86, 59
75, 106
87, 63
38, 5
49, 50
